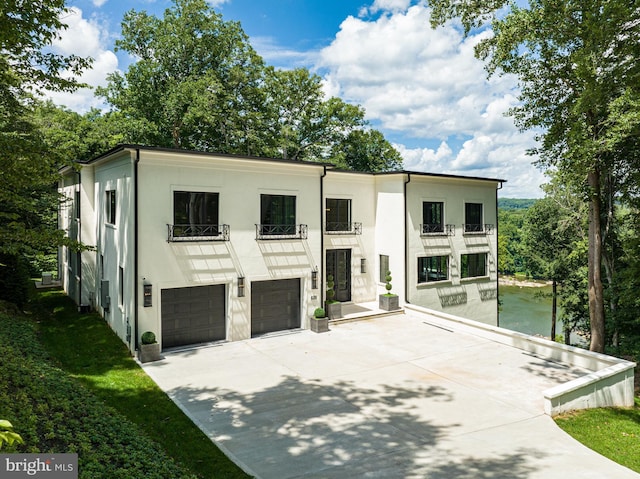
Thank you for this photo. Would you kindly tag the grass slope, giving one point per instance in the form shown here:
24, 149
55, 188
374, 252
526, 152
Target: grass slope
53, 370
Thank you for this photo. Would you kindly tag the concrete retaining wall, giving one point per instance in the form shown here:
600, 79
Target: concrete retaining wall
610, 383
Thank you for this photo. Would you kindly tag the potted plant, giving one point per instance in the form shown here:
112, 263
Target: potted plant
333, 307
149, 349
388, 301
319, 321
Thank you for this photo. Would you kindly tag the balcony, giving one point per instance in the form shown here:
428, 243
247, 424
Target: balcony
280, 232
177, 233
342, 228
477, 229
436, 229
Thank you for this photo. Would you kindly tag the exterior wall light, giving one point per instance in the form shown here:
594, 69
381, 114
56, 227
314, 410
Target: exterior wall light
363, 265
314, 278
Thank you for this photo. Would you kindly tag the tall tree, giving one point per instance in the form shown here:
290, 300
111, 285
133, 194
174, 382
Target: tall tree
576, 61
196, 83
366, 150
27, 169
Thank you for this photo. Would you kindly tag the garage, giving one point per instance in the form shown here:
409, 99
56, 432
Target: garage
275, 305
193, 315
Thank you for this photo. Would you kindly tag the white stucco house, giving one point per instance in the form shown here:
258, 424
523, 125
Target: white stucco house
200, 247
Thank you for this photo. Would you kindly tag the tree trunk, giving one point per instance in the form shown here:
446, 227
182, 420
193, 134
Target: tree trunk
596, 298
554, 310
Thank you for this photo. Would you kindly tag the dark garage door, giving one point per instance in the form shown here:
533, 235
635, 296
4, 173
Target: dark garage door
275, 305
193, 315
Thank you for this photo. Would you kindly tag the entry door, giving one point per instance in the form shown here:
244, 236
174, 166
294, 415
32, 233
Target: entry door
339, 265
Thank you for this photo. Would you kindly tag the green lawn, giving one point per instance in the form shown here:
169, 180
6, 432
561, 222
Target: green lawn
613, 432
83, 350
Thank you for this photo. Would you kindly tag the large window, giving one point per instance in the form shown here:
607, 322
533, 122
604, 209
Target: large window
277, 215
195, 213
473, 218
473, 265
432, 217
110, 202
338, 214
433, 268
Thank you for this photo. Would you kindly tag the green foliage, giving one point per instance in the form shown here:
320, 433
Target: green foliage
319, 313
56, 414
148, 337
7, 434
87, 350
509, 204
612, 432
388, 279
14, 279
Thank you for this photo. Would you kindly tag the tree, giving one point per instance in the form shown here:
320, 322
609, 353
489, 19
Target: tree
577, 62
27, 170
197, 83
366, 150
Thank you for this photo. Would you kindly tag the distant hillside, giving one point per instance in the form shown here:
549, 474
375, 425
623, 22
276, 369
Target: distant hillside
515, 203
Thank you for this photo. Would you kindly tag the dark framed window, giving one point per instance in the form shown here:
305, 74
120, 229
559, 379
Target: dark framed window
121, 286
433, 268
432, 217
195, 213
473, 265
110, 201
76, 204
384, 267
338, 214
278, 214
473, 218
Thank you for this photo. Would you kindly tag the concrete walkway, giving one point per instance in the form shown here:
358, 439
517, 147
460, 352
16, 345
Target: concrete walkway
392, 397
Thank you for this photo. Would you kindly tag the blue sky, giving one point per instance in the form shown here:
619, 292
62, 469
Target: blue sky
421, 87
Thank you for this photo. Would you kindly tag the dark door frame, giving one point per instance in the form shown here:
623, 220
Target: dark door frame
338, 264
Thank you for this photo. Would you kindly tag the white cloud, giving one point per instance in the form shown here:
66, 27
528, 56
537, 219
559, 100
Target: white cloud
422, 83
85, 38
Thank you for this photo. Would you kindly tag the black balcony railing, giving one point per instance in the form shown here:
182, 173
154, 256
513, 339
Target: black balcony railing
342, 228
478, 229
197, 233
430, 229
278, 232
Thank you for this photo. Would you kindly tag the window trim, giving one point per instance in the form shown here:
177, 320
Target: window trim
382, 272
111, 206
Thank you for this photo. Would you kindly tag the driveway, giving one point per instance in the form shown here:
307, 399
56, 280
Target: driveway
392, 397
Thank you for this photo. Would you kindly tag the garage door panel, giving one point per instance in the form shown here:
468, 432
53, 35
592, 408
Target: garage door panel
275, 305
193, 315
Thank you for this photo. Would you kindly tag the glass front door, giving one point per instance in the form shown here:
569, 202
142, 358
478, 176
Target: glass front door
339, 266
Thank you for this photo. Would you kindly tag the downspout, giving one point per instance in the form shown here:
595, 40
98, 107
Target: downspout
497, 259
135, 249
406, 241
322, 254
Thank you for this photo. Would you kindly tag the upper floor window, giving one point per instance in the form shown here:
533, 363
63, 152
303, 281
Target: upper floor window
338, 214
433, 268
277, 215
432, 217
473, 219
110, 202
473, 265
195, 214
76, 204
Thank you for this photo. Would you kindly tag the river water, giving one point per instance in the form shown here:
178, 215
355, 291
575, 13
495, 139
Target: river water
527, 310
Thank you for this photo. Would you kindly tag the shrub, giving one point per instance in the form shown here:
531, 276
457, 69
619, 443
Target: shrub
319, 313
148, 338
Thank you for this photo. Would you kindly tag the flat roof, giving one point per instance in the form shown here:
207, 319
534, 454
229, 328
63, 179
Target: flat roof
331, 166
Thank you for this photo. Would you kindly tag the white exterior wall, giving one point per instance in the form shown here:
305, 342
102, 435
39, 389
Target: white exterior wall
239, 182
360, 189
115, 244
389, 231
454, 193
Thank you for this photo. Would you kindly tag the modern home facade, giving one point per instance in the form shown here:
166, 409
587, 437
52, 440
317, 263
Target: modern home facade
201, 247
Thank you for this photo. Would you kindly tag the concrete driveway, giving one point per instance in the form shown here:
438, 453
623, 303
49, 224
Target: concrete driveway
393, 397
